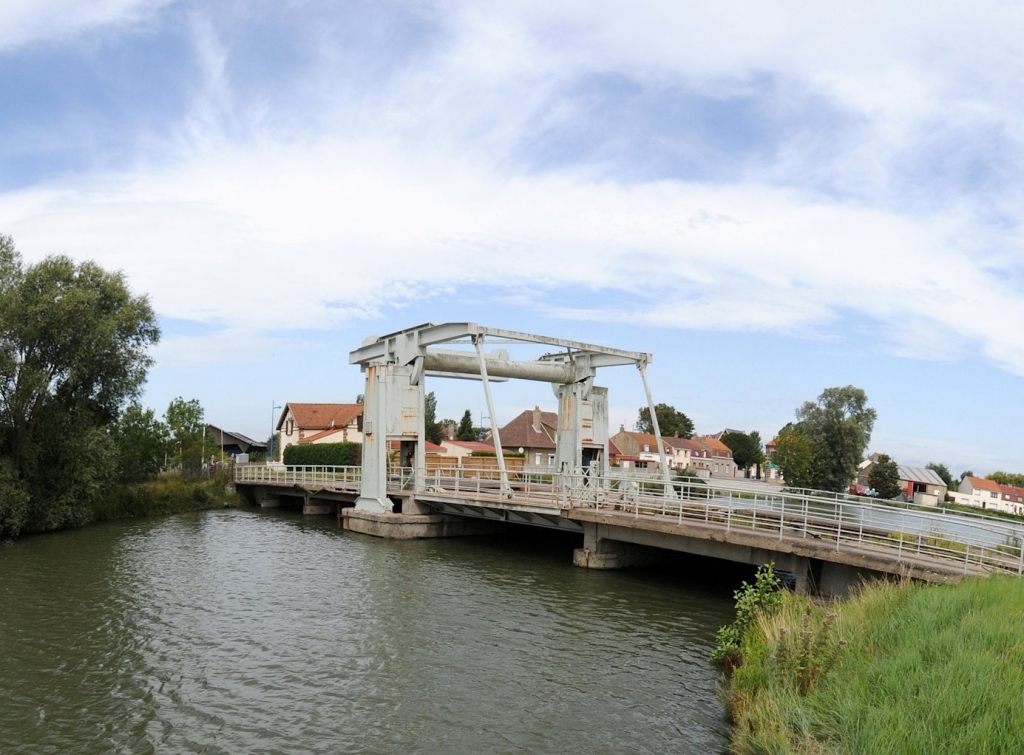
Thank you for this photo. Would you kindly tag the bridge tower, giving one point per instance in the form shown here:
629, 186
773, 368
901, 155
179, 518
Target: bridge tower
396, 365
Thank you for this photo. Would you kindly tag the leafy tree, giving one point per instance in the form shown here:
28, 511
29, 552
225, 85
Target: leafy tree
431, 427
796, 455
466, 431
187, 429
670, 421
746, 449
142, 442
1007, 478
884, 477
943, 472
839, 423
73, 350
966, 473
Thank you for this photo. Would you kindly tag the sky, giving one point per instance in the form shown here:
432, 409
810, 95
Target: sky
770, 198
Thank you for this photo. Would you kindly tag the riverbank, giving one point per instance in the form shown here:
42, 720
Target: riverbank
895, 669
168, 494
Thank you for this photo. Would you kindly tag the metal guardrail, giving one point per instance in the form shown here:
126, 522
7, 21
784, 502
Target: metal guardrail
349, 477
904, 531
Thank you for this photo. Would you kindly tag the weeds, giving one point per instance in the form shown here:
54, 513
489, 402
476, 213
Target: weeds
762, 597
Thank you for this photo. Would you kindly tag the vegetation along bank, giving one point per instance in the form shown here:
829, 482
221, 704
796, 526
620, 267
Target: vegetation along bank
898, 668
75, 446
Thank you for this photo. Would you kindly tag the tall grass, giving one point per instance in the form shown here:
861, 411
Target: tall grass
907, 669
169, 494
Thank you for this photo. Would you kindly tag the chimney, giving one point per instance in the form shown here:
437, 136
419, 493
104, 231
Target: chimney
536, 418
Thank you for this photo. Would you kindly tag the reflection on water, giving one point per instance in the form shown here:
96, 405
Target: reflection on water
248, 632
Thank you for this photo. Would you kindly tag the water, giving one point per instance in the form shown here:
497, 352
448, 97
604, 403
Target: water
248, 632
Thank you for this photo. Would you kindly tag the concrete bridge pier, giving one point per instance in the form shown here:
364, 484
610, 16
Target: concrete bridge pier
411, 519
313, 507
266, 500
604, 553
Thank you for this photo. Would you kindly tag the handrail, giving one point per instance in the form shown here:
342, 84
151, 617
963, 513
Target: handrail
843, 521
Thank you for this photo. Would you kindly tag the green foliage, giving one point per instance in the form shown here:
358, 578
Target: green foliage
431, 427
884, 477
493, 454
324, 455
670, 421
465, 430
14, 501
746, 449
762, 597
1007, 478
73, 351
943, 472
796, 456
142, 443
839, 423
169, 494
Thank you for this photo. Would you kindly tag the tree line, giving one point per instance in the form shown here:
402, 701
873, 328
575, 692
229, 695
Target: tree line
74, 353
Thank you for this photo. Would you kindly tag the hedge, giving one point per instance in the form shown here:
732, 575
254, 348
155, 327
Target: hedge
324, 455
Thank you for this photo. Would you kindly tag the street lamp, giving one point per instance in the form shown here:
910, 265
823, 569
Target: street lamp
273, 416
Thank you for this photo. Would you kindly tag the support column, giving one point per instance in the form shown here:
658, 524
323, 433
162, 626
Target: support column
602, 553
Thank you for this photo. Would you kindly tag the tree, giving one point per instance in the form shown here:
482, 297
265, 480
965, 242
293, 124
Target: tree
142, 442
1007, 478
431, 427
943, 472
670, 421
884, 477
796, 455
73, 350
466, 431
746, 450
839, 423
187, 430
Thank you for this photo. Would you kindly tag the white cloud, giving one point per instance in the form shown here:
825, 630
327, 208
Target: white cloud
23, 22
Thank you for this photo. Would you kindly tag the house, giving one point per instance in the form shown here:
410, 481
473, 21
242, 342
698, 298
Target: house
533, 434
640, 450
234, 444
989, 494
320, 423
716, 458
461, 449
920, 485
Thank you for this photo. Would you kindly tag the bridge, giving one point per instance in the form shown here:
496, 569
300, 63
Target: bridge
828, 543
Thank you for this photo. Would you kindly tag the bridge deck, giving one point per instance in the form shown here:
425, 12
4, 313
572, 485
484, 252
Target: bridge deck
843, 529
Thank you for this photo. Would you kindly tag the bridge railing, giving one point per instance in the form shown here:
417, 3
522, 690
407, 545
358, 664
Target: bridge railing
348, 477
862, 523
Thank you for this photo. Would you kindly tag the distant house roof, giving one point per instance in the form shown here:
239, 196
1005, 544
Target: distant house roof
531, 429
919, 474
322, 434
227, 438
473, 445
717, 447
982, 484
320, 416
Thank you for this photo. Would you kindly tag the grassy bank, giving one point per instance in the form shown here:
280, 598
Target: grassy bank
897, 669
169, 494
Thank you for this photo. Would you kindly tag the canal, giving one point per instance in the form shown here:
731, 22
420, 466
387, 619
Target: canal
251, 632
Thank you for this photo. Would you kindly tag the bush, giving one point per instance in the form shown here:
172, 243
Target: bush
324, 455
762, 597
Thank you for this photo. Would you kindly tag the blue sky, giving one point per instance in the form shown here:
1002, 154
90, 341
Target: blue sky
772, 201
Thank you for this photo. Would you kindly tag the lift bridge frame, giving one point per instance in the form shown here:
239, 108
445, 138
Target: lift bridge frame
396, 365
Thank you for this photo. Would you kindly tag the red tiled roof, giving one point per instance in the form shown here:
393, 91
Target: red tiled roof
982, 484
520, 432
320, 416
717, 447
322, 434
473, 445
428, 447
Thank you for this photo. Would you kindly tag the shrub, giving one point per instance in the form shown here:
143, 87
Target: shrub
324, 455
762, 597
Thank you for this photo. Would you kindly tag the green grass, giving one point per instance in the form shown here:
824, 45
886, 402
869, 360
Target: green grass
901, 669
169, 494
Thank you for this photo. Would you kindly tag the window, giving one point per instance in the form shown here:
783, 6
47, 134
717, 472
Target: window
993, 495
290, 427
